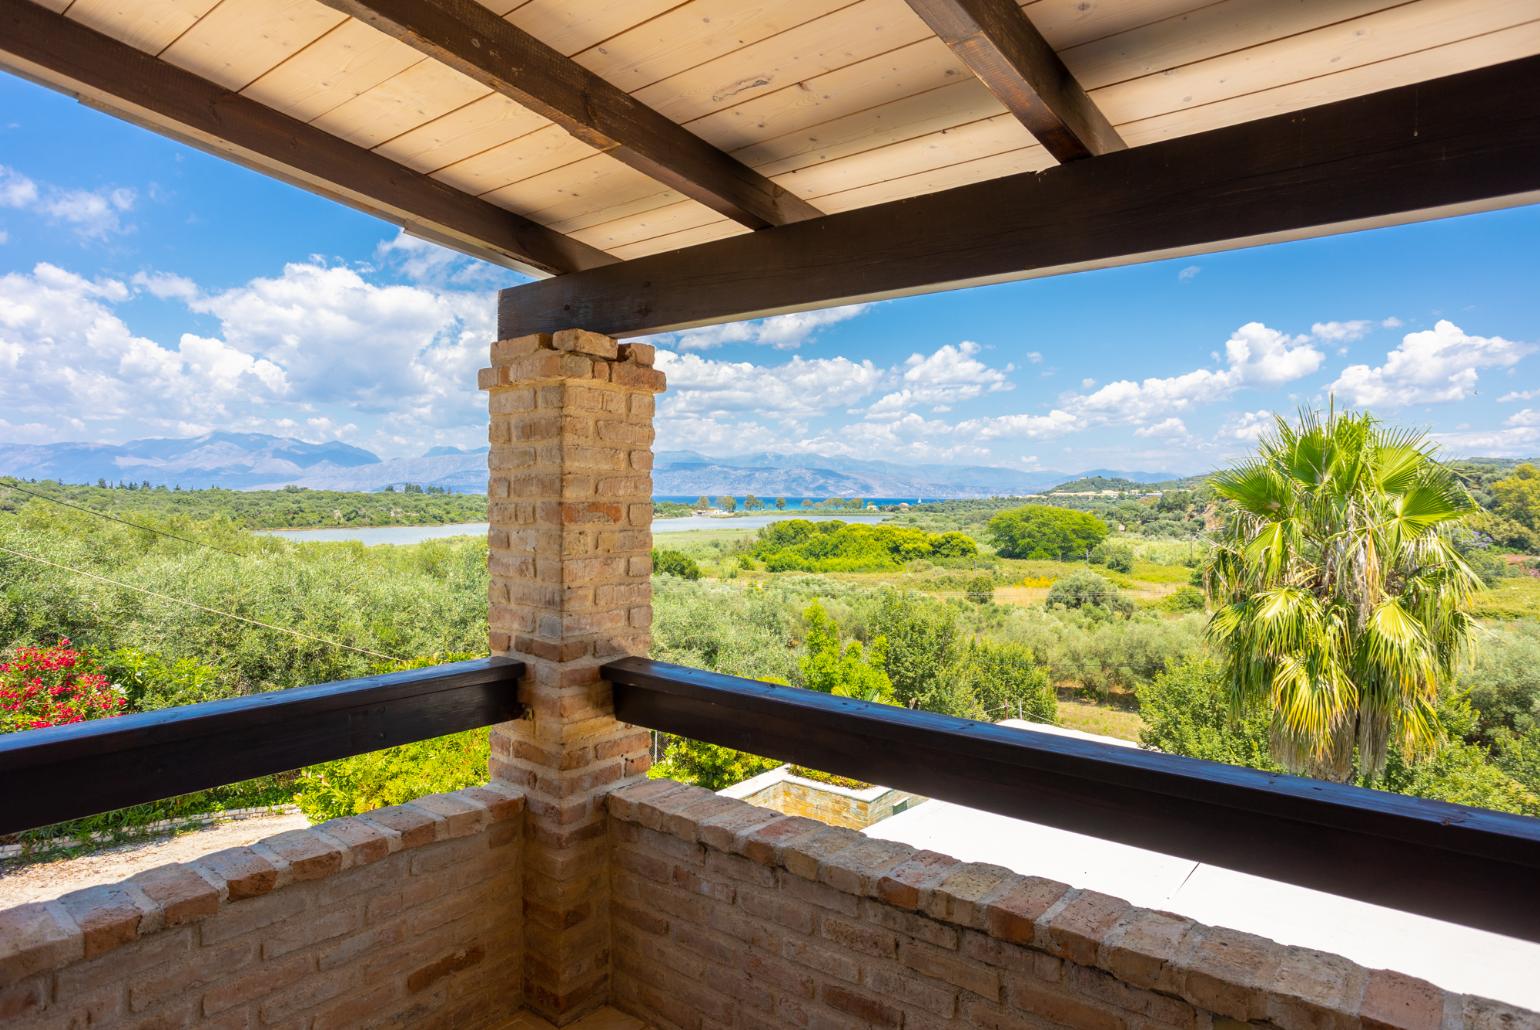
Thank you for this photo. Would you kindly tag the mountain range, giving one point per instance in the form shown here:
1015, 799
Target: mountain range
247, 461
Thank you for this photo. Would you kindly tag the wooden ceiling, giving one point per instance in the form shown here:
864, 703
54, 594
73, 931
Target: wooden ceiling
558, 136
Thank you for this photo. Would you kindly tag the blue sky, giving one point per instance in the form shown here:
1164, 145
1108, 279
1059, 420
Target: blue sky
147, 289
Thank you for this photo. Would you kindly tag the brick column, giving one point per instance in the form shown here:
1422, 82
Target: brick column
570, 505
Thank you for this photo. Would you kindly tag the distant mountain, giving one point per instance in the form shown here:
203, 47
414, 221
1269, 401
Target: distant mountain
248, 461
233, 460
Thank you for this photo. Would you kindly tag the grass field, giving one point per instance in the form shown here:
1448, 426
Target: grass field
1517, 597
1107, 722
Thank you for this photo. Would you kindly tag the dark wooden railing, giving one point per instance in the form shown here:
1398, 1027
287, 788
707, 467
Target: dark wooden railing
1464, 865
61, 773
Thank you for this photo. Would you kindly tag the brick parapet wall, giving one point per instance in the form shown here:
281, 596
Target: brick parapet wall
570, 562
407, 914
729, 915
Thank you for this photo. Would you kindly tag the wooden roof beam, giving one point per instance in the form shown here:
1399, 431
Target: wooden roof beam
475, 42
1422, 151
999, 44
53, 50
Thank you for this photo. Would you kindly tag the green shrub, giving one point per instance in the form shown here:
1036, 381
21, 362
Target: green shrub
832, 667
922, 635
1117, 557
708, 765
834, 546
981, 588
1006, 681
393, 776
152, 681
674, 563
1084, 590
1183, 599
1186, 711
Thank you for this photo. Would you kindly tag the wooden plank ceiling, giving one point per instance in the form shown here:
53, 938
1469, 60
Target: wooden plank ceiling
788, 108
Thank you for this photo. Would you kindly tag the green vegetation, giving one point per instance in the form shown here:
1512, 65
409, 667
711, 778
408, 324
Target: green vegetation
846, 670
674, 563
1340, 597
803, 545
1043, 531
289, 508
1088, 614
1083, 590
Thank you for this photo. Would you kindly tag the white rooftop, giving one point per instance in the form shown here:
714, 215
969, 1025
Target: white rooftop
1454, 957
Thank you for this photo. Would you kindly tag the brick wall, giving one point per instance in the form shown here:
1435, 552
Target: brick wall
407, 916
730, 915
830, 803
570, 558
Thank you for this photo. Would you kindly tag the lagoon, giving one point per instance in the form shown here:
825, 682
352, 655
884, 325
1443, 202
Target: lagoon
371, 535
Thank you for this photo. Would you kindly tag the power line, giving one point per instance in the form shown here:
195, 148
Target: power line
194, 604
104, 515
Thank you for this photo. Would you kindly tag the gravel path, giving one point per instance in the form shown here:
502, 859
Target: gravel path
47, 880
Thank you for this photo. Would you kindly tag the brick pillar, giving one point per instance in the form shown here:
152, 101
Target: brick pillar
570, 505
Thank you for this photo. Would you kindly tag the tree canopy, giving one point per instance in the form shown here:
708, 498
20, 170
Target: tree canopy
1044, 531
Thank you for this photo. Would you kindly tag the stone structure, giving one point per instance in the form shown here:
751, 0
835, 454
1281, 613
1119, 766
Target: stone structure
399, 916
731, 915
853, 807
570, 507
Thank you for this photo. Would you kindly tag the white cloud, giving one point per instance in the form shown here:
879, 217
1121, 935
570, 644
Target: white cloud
423, 261
798, 390
1034, 358
67, 357
783, 332
1512, 442
92, 214
16, 190
1188, 274
1528, 418
1165, 428
1391, 322
166, 286
1255, 354
316, 351
1342, 332
1248, 426
1031, 427
1518, 395
1431, 366
341, 338
1260, 356
946, 376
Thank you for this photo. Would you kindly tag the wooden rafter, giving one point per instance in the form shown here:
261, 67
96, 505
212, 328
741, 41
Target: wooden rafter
475, 42
1435, 148
65, 55
1000, 45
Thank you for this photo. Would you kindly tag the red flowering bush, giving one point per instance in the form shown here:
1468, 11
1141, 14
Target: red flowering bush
53, 686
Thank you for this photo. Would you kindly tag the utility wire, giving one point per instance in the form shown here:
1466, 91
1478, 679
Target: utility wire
194, 604
103, 515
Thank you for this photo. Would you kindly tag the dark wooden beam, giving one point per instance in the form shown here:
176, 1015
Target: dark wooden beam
475, 42
53, 50
999, 44
1436, 148
1466, 865
90, 767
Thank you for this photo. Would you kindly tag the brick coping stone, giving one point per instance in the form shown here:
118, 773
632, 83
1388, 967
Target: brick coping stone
1231, 974
51, 935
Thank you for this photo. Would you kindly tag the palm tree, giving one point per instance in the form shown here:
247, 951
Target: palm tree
1340, 600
